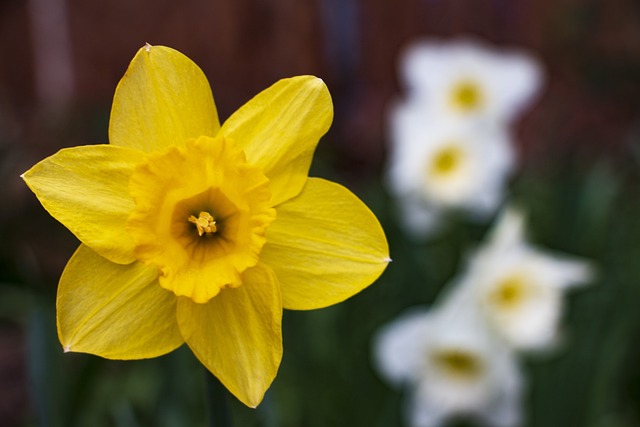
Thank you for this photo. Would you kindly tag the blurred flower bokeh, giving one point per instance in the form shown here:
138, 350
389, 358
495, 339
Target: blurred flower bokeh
565, 155
452, 364
450, 136
460, 359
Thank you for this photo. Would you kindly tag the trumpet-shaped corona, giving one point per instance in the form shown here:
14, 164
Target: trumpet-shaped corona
171, 187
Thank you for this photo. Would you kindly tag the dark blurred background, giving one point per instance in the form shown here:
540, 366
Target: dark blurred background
60, 61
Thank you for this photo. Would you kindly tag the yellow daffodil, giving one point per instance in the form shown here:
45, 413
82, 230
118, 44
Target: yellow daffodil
200, 233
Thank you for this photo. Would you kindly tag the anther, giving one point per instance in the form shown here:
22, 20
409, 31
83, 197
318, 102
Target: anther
204, 223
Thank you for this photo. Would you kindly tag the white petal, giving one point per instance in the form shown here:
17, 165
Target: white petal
424, 413
518, 78
509, 229
398, 346
563, 271
419, 218
506, 409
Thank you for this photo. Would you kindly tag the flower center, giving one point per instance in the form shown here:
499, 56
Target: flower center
509, 293
446, 161
457, 363
466, 96
204, 223
207, 187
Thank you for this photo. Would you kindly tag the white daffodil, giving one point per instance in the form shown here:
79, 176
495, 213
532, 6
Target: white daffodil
519, 287
468, 78
452, 364
449, 164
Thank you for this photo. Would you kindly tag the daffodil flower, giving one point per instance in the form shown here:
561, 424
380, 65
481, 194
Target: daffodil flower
519, 287
200, 233
437, 166
470, 79
452, 365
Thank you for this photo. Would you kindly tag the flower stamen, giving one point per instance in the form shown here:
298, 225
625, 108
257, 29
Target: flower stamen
510, 293
457, 363
446, 161
204, 223
467, 96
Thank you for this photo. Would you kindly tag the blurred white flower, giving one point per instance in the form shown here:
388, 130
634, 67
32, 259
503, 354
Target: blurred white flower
450, 134
448, 164
452, 364
519, 287
466, 77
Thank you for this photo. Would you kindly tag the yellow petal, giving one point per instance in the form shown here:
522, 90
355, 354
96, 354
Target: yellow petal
163, 99
115, 311
279, 129
324, 246
87, 189
238, 334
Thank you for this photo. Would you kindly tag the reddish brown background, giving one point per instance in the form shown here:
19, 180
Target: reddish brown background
591, 51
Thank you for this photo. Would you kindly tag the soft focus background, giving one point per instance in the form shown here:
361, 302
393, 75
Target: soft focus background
577, 180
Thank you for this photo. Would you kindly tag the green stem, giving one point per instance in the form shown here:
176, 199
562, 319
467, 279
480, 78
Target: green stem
216, 402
